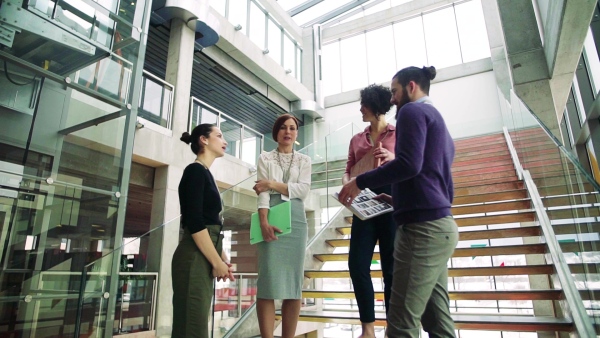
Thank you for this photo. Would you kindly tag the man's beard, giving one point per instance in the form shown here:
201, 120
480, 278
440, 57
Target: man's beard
405, 100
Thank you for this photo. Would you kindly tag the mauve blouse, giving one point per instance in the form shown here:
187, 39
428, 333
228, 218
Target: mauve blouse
360, 144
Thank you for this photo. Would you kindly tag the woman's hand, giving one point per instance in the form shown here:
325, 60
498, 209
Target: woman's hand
262, 186
221, 270
384, 197
268, 232
229, 265
384, 154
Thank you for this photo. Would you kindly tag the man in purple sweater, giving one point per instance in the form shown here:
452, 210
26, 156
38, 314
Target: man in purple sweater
422, 193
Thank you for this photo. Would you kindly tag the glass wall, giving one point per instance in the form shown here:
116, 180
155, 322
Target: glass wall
251, 19
447, 36
65, 156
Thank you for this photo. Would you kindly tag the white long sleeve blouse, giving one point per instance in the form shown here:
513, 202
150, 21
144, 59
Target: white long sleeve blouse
270, 169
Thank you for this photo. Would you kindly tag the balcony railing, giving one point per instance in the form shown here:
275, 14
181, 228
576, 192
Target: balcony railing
156, 100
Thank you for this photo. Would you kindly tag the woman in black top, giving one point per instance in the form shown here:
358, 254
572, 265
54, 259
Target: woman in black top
199, 258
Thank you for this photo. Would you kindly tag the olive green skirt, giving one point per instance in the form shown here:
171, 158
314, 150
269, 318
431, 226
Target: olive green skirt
193, 286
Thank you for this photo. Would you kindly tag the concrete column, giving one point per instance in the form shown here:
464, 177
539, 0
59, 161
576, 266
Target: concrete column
180, 63
497, 47
542, 72
165, 207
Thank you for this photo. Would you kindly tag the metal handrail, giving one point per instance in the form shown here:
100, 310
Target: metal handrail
513, 154
573, 300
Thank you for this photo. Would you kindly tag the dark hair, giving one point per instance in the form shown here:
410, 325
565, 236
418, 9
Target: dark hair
280, 121
201, 130
377, 99
421, 76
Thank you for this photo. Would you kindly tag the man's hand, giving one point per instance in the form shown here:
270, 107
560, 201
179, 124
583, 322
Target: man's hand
349, 192
384, 197
262, 186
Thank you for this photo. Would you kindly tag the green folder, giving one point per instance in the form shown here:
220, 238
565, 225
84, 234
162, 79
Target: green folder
280, 216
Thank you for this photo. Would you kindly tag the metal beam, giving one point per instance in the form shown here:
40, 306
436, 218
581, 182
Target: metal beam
303, 6
336, 12
93, 122
352, 13
60, 79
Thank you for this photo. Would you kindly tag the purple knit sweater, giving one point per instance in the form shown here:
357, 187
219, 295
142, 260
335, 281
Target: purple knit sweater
421, 177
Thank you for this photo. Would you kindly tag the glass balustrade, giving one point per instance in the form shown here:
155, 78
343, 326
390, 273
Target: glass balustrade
569, 194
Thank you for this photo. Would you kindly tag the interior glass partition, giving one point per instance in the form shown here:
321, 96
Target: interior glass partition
65, 154
568, 192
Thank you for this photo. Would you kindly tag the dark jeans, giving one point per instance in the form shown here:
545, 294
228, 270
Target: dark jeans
364, 237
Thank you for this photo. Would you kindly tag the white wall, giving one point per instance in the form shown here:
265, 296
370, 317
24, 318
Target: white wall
469, 104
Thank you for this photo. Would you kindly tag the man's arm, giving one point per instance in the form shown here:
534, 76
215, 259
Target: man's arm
411, 134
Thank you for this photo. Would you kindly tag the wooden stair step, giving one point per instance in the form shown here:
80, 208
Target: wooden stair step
454, 295
526, 231
573, 213
458, 272
482, 167
574, 199
482, 177
489, 196
461, 321
580, 246
527, 216
523, 249
488, 188
485, 182
479, 159
491, 207
465, 155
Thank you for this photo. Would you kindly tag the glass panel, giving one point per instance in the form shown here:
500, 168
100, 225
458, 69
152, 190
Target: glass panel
135, 267
200, 115
317, 10
219, 6
410, 43
472, 31
251, 145
289, 55
257, 25
593, 61
238, 11
110, 76
299, 64
568, 192
274, 42
155, 104
353, 53
442, 39
85, 20
232, 299
330, 69
380, 54
232, 132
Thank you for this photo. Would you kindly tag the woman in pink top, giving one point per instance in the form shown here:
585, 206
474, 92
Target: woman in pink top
377, 139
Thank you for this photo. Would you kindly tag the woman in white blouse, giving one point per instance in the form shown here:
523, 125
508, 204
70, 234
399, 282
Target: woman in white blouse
283, 174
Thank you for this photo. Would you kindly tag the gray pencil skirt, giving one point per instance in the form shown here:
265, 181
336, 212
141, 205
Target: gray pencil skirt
281, 262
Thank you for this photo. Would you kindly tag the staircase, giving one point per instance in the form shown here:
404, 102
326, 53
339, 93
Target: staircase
499, 278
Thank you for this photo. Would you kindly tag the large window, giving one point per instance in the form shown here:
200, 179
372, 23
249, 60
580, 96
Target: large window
250, 18
444, 37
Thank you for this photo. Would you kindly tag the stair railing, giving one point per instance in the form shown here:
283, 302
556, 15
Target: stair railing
513, 154
572, 305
